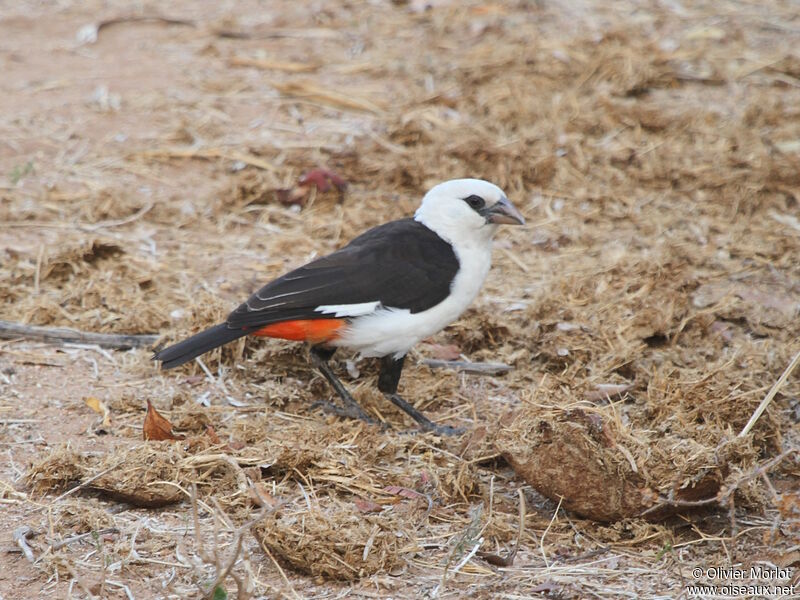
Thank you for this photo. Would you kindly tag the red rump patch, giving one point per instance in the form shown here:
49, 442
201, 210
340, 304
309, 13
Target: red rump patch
303, 330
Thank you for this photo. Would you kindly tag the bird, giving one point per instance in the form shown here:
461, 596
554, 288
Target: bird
388, 289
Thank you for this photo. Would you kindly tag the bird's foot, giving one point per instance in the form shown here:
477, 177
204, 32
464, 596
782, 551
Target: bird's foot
424, 422
348, 412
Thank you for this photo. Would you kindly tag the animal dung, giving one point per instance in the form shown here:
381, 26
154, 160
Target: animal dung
602, 471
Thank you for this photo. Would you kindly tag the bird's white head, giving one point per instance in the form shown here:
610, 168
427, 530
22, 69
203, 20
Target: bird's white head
466, 210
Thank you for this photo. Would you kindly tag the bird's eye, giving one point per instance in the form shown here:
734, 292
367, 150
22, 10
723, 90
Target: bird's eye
475, 202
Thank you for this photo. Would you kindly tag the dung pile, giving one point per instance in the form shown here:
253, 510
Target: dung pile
606, 472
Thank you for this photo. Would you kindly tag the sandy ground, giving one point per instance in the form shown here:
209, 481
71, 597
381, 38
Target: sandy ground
148, 159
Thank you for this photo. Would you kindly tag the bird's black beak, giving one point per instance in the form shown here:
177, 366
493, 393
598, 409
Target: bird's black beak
503, 212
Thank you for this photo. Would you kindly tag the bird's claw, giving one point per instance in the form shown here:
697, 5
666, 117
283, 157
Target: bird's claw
342, 411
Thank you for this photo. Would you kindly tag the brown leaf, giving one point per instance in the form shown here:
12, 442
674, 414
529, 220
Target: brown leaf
260, 495
156, 427
402, 491
322, 179
100, 408
607, 391
497, 560
367, 506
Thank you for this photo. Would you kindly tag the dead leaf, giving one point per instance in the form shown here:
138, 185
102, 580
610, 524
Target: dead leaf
100, 408
340, 100
396, 490
261, 496
322, 179
367, 506
156, 427
607, 391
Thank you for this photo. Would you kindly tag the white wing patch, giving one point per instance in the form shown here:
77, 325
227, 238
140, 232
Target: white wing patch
349, 310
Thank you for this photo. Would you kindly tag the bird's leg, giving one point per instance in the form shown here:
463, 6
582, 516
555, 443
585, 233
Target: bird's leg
320, 357
388, 380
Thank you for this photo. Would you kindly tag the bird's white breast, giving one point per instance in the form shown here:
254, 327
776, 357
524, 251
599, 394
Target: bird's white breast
394, 331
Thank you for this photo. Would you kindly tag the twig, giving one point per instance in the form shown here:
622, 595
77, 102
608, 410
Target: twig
206, 153
281, 571
477, 368
276, 33
276, 65
21, 535
84, 484
508, 561
36, 275
89, 33
770, 395
468, 537
467, 557
311, 91
117, 222
82, 536
725, 495
207, 460
663, 502
549, 525
213, 558
94, 347
61, 335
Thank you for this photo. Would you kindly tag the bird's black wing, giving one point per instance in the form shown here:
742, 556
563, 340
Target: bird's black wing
401, 264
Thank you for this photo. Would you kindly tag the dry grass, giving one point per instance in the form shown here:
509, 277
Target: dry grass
647, 309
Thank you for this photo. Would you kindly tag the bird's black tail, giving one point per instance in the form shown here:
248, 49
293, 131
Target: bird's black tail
196, 345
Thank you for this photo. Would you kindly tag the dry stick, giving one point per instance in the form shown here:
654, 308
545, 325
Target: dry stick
549, 525
725, 495
142, 18
60, 335
82, 536
477, 368
117, 222
36, 275
21, 535
82, 485
508, 561
467, 535
207, 153
281, 571
223, 571
770, 395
